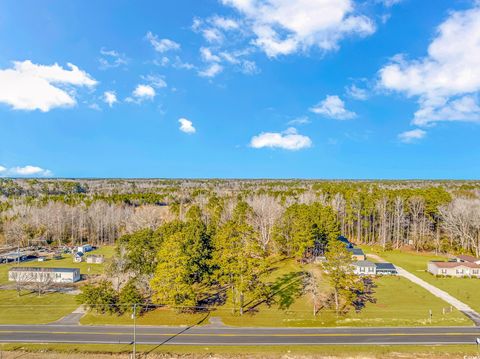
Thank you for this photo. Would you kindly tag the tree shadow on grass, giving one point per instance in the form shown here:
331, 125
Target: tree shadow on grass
283, 291
365, 294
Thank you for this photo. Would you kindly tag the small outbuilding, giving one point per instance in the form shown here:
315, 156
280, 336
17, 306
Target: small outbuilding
357, 254
78, 257
85, 248
95, 259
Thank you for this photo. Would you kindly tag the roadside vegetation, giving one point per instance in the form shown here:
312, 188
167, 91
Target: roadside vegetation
70, 351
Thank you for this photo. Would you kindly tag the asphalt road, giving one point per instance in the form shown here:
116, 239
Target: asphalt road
209, 335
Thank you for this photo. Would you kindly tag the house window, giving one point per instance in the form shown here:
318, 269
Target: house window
443, 271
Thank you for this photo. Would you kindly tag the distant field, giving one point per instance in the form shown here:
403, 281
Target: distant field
29, 308
464, 289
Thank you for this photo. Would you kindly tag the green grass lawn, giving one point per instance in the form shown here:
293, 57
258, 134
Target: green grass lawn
29, 308
465, 289
194, 351
398, 303
162, 316
65, 262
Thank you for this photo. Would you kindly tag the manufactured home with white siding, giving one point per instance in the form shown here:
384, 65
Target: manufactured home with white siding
41, 274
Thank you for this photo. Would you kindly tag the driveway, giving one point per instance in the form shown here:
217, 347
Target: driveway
464, 308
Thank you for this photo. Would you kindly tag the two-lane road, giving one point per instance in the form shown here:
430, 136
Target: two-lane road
208, 335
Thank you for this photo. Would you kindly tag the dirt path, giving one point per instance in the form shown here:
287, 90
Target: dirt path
464, 308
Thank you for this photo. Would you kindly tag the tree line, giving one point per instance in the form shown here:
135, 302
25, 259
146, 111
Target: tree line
426, 215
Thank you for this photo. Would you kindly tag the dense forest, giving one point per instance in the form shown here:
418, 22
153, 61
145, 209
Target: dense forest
426, 215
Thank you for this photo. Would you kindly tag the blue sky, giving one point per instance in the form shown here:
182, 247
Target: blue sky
240, 88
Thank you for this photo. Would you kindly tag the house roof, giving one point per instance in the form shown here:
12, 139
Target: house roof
43, 269
364, 264
356, 251
385, 266
467, 258
455, 264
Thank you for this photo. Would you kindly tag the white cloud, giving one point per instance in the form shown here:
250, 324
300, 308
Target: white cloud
288, 140
28, 86
111, 59
186, 126
156, 81
162, 45
412, 135
282, 27
26, 171
225, 23
212, 35
303, 120
447, 80
357, 93
110, 98
211, 71
208, 56
333, 107
144, 92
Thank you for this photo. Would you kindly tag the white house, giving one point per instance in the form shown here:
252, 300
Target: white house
369, 268
454, 269
40, 274
364, 268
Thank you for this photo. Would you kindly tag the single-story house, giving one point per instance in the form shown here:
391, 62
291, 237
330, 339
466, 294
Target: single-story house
364, 267
454, 269
385, 269
95, 259
78, 257
85, 248
465, 258
357, 254
41, 274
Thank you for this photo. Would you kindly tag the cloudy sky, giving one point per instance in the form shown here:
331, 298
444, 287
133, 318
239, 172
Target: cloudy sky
240, 88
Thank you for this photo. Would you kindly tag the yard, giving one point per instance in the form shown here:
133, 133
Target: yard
29, 308
465, 289
398, 303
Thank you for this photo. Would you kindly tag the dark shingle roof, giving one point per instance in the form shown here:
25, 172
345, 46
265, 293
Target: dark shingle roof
385, 266
356, 251
364, 264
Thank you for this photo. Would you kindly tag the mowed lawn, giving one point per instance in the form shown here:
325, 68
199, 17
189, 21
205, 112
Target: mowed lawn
30, 308
465, 289
397, 302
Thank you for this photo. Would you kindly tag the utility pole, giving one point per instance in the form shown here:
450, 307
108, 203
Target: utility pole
134, 317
